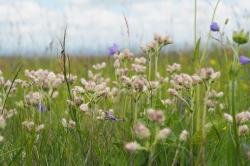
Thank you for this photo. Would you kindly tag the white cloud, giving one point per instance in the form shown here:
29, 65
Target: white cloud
93, 25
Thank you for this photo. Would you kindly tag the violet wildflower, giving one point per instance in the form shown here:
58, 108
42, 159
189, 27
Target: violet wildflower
110, 116
244, 60
113, 49
214, 27
41, 107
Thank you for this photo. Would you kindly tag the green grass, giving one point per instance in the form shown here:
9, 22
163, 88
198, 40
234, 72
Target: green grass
101, 142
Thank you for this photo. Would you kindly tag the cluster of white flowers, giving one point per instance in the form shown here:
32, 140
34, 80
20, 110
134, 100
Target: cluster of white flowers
44, 78
33, 98
165, 40
228, 117
96, 84
2, 80
103, 115
139, 83
99, 66
77, 92
214, 94
155, 115
181, 81
243, 130
139, 65
40, 128
243, 117
208, 74
9, 113
119, 64
173, 68
126, 54
68, 123
141, 130
84, 107
212, 99
29, 125
8, 84
159, 41
167, 102
71, 78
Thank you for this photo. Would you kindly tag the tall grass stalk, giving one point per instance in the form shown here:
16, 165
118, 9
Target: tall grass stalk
204, 53
234, 75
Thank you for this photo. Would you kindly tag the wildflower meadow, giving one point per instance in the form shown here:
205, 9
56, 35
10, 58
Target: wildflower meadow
153, 108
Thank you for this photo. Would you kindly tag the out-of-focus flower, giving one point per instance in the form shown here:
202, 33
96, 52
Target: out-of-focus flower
41, 107
163, 133
244, 60
10, 113
141, 130
71, 124
228, 117
214, 27
28, 125
243, 117
208, 74
184, 135
173, 68
33, 98
84, 107
243, 130
2, 122
45, 79
109, 115
132, 147
99, 66
240, 37
155, 115
1, 139
40, 127
55, 94
113, 49
64, 122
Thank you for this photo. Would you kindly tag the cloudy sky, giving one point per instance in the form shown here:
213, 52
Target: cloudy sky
35, 26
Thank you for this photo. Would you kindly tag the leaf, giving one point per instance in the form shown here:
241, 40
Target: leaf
197, 49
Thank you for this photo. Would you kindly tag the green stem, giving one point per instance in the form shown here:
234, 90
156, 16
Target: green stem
209, 34
203, 156
176, 154
149, 66
156, 64
236, 136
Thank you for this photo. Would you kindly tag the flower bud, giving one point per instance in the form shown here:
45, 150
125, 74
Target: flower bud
243, 130
132, 147
141, 130
155, 115
228, 117
240, 37
84, 107
163, 133
184, 135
